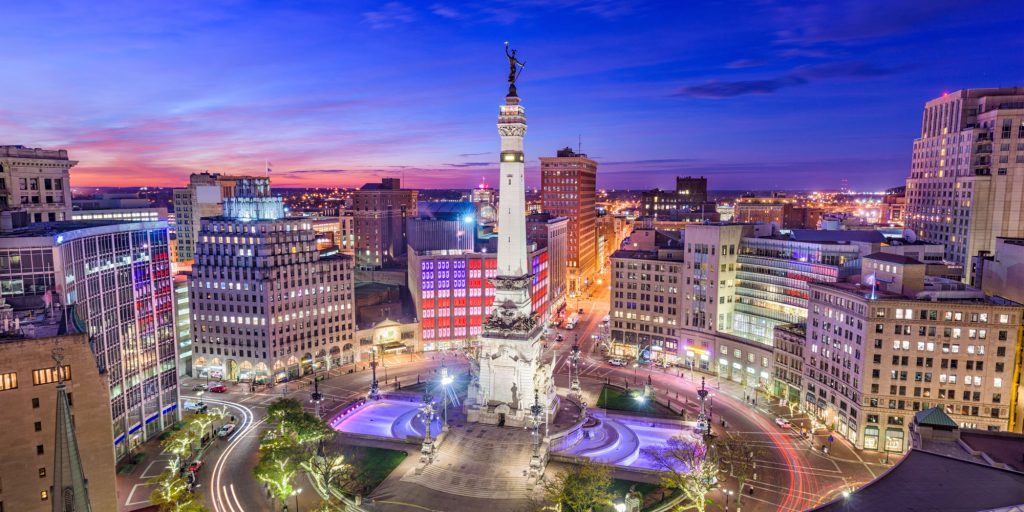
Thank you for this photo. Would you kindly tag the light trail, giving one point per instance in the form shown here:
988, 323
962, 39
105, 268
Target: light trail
220, 496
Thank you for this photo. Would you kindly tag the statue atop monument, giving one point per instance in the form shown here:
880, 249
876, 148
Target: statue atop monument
515, 68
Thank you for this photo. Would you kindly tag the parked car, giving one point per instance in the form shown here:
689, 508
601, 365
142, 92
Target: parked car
617, 362
580, 312
219, 388
195, 406
606, 319
782, 422
199, 387
194, 467
559, 338
226, 430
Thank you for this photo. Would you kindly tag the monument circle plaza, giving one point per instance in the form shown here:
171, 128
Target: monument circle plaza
495, 441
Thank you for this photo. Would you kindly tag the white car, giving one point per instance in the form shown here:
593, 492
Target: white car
195, 406
617, 362
782, 422
226, 430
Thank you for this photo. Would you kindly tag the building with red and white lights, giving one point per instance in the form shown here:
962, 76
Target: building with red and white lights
453, 293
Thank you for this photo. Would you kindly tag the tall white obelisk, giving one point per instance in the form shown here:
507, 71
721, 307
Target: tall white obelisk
510, 369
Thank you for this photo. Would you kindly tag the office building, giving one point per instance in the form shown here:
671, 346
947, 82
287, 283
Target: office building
454, 293
347, 230
328, 232
204, 197
709, 275
966, 179
380, 211
265, 303
117, 274
552, 233
569, 189
789, 361
646, 301
37, 182
772, 209
443, 226
900, 342
772, 276
182, 323
483, 198
44, 452
688, 202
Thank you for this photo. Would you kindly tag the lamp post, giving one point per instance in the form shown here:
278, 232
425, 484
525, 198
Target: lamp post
702, 419
296, 494
727, 493
374, 389
575, 388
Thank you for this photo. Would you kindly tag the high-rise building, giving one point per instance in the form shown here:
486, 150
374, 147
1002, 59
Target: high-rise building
512, 375
264, 303
1002, 273
36, 181
899, 342
569, 189
347, 230
380, 211
709, 279
118, 277
37, 463
204, 197
967, 173
552, 233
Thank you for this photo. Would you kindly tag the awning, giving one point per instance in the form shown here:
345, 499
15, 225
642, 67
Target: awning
392, 346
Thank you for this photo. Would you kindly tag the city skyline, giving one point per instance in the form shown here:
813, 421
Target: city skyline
815, 93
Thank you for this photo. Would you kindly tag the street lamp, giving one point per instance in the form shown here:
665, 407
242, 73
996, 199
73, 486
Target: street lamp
296, 494
446, 381
620, 507
727, 493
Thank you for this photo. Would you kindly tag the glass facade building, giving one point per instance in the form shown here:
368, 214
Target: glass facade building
772, 278
118, 277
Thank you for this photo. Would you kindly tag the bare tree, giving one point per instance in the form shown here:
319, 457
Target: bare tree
740, 459
688, 466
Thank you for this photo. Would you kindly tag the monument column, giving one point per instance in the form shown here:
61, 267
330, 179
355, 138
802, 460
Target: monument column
510, 370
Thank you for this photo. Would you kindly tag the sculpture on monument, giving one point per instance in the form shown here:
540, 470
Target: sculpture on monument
515, 68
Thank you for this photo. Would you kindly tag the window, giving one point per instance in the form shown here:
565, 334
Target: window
39, 449
43, 495
39, 426
35, 403
49, 375
8, 381
42, 472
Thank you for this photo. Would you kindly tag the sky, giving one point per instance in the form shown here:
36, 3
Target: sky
754, 95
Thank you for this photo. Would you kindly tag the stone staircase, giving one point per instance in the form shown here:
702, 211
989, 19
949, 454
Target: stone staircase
480, 462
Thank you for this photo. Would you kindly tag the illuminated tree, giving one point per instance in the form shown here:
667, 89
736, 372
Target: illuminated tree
688, 466
172, 494
583, 488
276, 468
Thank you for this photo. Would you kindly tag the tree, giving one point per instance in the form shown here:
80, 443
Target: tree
171, 493
276, 468
330, 476
741, 460
688, 466
583, 488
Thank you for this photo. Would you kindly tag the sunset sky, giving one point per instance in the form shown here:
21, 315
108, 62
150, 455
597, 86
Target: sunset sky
756, 95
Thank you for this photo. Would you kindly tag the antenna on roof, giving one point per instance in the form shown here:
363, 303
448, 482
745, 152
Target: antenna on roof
579, 144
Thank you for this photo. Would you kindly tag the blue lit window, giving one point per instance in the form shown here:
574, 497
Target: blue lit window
427, 265
460, 264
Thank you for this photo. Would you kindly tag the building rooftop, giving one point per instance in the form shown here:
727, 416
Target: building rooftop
937, 289
929, 481
934, 417
446, 210
821, 235
19, 151
894, 258
40, 229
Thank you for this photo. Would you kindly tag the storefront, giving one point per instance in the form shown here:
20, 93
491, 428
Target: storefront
871, 437
894, 440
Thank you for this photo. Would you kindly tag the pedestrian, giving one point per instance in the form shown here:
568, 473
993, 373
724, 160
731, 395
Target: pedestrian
751, 490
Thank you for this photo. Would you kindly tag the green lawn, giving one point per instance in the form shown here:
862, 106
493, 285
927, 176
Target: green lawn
371, 466
616, 399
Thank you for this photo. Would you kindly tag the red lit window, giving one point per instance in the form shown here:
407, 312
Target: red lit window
492, 263
444, 303
427, 323
476, 320
474, 301
474, 263
460, 320
428, 303
490, 300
